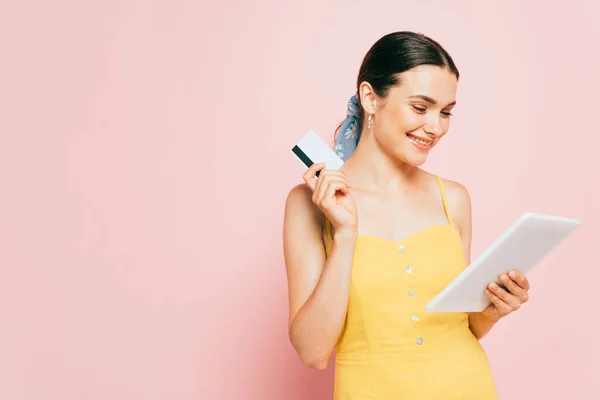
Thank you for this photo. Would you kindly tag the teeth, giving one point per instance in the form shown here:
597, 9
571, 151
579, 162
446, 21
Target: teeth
420, 141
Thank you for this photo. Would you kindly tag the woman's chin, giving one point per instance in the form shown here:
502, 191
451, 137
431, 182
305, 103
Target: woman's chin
414, 155
413, 159
418, 161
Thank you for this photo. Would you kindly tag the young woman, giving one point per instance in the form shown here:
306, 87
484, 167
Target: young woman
367, 247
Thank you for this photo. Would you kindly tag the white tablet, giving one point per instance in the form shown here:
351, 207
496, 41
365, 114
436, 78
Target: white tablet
525, 243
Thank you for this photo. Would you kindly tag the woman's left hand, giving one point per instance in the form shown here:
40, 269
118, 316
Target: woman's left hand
505, 301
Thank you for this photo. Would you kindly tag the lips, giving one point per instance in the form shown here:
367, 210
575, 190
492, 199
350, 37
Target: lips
420, 141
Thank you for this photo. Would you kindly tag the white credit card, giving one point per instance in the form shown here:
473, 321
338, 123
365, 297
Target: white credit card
311, 149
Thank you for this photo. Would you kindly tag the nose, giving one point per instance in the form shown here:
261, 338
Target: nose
433, 126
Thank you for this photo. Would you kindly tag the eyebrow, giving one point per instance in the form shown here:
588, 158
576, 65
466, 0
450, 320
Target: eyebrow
429, 99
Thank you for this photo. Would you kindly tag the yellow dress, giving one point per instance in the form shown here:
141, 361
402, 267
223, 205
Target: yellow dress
390, 347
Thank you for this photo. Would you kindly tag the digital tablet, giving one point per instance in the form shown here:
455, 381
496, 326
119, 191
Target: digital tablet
525, 243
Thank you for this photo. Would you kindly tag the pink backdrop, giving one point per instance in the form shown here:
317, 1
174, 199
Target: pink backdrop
144, 164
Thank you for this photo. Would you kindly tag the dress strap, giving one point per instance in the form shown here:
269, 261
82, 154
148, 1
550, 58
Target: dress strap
328, 228
329, 242
444, 200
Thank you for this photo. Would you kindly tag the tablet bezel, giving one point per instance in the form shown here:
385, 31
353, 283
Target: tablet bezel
465, 293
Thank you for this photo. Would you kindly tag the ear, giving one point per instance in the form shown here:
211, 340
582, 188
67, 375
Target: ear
367, 97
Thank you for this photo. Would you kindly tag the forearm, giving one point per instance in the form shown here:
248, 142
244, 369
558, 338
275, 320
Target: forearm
480, 324
319, 321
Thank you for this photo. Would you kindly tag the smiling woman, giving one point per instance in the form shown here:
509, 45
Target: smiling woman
368, 246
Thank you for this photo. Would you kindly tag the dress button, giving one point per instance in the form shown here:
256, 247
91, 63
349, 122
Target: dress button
408, 270
415, 318
411, 292
401, 249
419, 340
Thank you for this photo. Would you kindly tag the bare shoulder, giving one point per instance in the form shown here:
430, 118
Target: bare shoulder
459, 202
298, 194
299, 202
301, 215
456, 192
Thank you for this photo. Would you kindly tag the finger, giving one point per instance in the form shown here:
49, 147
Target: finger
320, 168
507, 298
520, 279
324, 177
501, 307
333, 174
309, 175
330, 191
330, 174
328, 184
320, 188
329, 198
513, 288
323, 183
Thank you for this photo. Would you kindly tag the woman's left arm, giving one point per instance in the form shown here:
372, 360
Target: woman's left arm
516, 286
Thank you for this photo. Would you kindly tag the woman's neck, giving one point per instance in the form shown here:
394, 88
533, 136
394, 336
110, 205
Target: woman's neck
372, 169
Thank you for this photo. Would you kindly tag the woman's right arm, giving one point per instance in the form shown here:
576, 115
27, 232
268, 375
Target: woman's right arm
318, 286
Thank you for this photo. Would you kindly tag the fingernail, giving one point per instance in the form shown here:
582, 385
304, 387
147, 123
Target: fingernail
512, 274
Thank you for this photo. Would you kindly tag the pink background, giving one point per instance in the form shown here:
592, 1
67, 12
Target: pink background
144, 164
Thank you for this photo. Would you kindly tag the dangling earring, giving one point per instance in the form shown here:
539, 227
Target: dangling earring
369, 121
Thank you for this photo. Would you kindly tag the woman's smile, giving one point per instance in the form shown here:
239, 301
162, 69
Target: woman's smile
420, 143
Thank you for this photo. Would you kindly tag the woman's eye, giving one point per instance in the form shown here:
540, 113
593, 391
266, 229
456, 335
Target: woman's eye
422, 110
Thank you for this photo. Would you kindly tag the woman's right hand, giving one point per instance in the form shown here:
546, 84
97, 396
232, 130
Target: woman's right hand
331, 193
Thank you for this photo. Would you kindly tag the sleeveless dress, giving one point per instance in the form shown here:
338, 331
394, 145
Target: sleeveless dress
392, 349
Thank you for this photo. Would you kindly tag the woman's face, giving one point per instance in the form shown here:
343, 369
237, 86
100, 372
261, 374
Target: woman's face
415, 115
